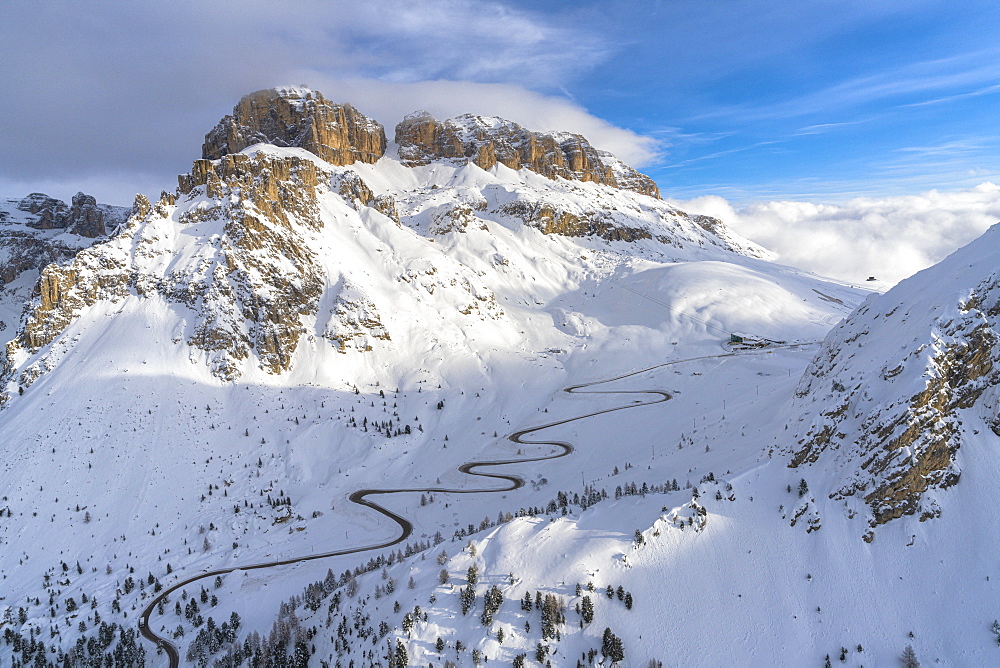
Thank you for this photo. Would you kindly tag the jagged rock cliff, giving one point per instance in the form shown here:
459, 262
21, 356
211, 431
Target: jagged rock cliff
250, 284
38, 230
262, 249
890, 400
85, 217
487, 140
338, 133
342, 135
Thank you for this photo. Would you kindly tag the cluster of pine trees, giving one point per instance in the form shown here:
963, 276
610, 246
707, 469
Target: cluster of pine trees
211, 639
112, 646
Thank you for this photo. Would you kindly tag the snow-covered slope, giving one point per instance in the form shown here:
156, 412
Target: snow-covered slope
206, 387
906, 386
746, 560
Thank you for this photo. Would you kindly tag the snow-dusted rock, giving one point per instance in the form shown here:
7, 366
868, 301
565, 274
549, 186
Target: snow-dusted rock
488, 140
291, 116
898, 387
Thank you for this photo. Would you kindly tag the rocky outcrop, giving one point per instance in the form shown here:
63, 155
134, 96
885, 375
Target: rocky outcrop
342, 135
353, 188
628, 178
32, 230
85, 217
50, 212
338, 133
249, 287
22, 251
487, 141
354, 321
554, 220
887, 396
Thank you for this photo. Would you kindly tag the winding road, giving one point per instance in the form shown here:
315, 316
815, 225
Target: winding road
360, 497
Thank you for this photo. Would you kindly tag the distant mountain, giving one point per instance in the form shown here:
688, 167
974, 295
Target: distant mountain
38, 230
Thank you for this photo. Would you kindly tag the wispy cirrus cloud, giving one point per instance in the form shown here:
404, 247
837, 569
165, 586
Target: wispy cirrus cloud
821, 128
926, 77
985, 90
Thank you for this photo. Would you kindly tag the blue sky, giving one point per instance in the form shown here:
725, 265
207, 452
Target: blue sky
803, 99
746, 100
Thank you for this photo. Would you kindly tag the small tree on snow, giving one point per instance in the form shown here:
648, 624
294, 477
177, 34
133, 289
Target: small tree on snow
909, 658
612, 647
587, 610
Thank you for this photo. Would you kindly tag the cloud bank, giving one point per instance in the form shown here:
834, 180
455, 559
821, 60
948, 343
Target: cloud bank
889, 238
121, 94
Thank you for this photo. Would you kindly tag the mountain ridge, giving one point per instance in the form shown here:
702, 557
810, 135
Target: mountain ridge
902, 427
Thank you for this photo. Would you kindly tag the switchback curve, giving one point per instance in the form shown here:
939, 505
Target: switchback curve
360, 497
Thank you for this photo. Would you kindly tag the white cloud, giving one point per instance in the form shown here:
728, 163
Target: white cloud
889, 238
131, 88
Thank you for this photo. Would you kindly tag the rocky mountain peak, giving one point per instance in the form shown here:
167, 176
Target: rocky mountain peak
489, 140
85, 217
50, 211
292, 116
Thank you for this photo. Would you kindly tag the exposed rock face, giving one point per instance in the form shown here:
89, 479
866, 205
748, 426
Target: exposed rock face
553, 220
628, 178
338, 133
86, 217
22, 251
32, 230
50, 211
354, 189
354, 320
251, 285
487, 140
892, 385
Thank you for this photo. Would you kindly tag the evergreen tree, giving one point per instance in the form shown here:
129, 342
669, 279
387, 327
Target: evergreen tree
468, 597
611, 647
587, 610
402, 658
909, 658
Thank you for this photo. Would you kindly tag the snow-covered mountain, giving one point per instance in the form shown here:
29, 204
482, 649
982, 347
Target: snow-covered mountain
318, 310
38, 230
264, 249
903, 386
